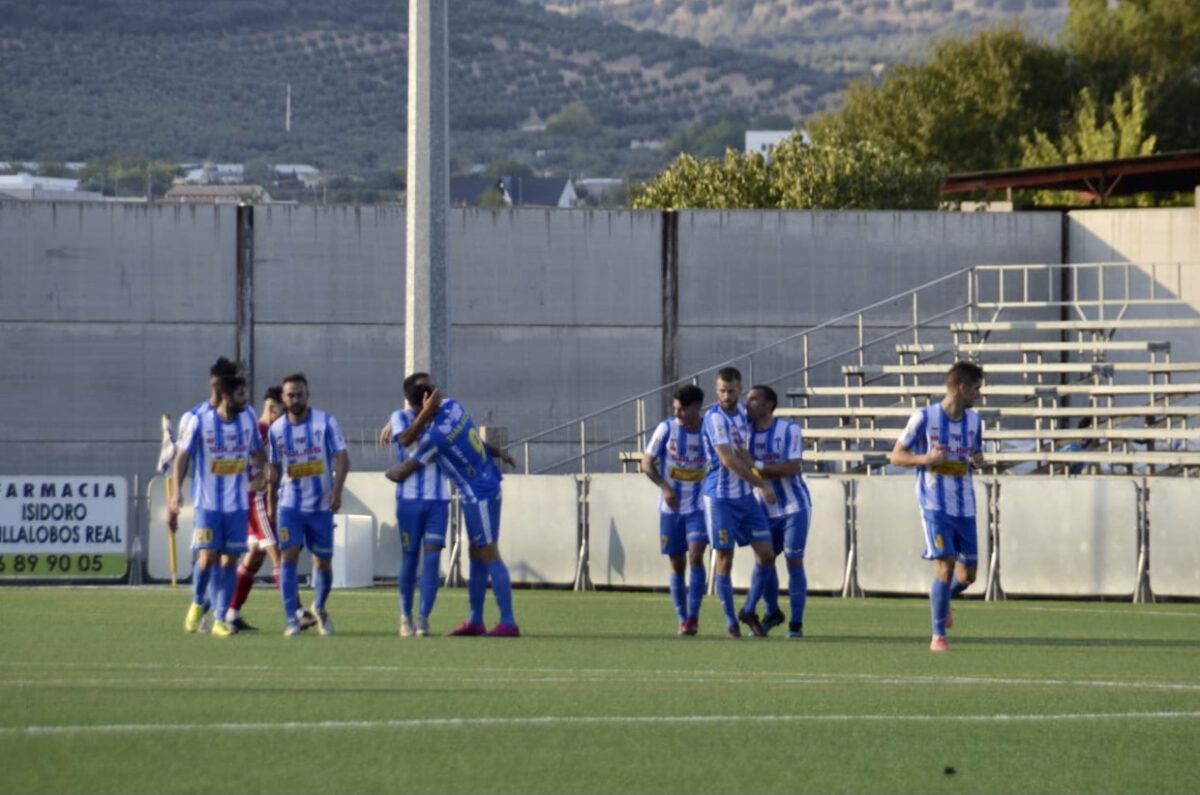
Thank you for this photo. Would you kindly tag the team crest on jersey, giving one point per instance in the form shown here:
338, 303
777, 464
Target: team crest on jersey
672, 447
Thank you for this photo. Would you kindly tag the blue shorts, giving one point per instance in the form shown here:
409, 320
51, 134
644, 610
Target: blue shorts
224, 531
789, 534
678, 530
313, 529
741, 521
482, 519
422, 523
949, 536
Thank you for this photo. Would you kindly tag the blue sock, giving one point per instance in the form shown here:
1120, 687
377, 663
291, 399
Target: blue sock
797, 592
476, 591
771, 591
200, 579
322, 583
939, 605
697, 585
757, 580
208, 595
408, 581
679, 596
431, 574
222, 587
502, 590
289, 591
957, 586
725, 594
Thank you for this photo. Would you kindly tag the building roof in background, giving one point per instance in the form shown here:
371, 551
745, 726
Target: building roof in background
1165, 173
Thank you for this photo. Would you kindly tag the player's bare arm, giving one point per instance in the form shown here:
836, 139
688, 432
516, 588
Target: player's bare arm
385, 434
734, 463
903, 457
429, 410
398, 473
341, 468
651, 471
273, 475
178, 472
778, 470
501, 454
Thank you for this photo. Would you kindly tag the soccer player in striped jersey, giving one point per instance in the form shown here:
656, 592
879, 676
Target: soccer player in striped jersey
443, 431
422, 512
225, 445
674, 461
309, 464
731, 512
777, 447
261, 538
942, 441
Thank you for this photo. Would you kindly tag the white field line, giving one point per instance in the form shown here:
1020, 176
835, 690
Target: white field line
560, 721
541, 676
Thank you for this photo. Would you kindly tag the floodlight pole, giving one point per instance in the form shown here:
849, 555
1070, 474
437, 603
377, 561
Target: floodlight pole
428, 189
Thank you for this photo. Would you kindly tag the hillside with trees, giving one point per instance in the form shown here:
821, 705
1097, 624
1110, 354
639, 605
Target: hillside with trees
206, 79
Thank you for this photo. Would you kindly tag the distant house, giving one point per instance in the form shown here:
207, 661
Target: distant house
213, 173
217, 194
307, 175
513, 192
26, 187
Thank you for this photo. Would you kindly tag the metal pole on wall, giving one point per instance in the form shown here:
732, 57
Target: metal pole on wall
428, 189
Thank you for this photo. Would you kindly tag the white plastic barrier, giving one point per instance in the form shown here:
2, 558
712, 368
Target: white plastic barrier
1174, 540
371, 494
825, 554
890, 536
353, 551
539, 528
623, 532
1068, 537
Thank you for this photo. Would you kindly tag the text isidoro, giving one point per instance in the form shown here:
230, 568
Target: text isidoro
57, 513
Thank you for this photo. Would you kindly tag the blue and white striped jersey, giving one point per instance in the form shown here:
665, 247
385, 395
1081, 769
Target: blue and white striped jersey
221, 452
781, 442
733, 430
947, 487
453, 440
304, 452
428, 482
203, 407
679, 455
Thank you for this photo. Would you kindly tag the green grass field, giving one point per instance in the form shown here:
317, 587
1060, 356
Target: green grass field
101, 691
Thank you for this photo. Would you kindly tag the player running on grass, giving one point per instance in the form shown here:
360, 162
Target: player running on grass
674, 461
443, 431
309, 464
732, 513
776, 446
225, 445
943, 442
261, 538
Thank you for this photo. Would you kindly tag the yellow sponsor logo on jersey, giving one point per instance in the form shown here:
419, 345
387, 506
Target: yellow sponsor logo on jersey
228, 466
306, 469
954, 469
683, 475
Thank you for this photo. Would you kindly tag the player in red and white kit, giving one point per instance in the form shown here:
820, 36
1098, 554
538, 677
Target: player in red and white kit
261, 538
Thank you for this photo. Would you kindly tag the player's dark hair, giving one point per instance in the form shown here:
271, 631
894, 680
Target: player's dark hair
768, 393
965, 373
223, 367
414, 378
274, 393
729, 375
295, 378
689, 395
415, 394
228, 384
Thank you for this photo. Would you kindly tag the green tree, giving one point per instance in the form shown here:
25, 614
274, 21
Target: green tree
966, 108
506, 167
1155, 40
119, 175
830, 175
574, 120
1094, 135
